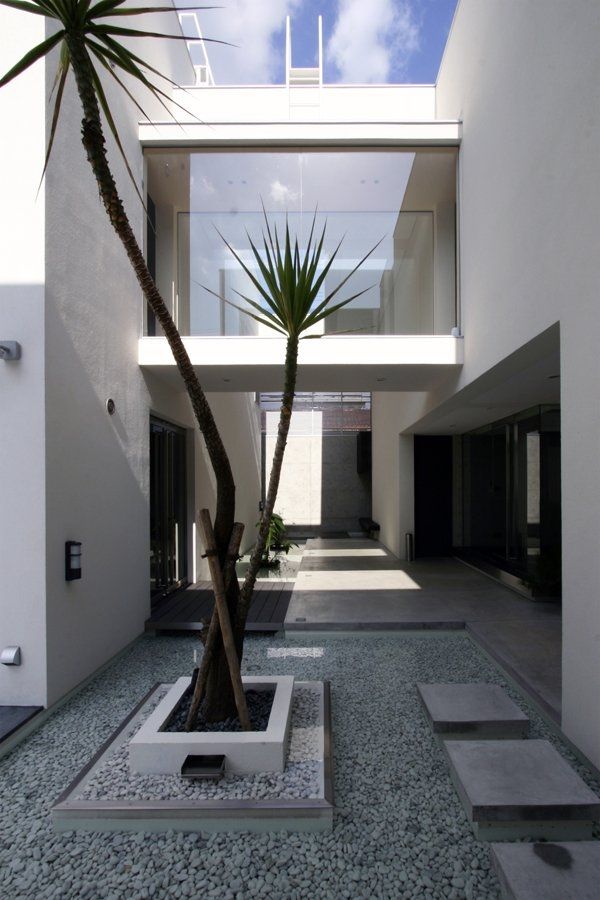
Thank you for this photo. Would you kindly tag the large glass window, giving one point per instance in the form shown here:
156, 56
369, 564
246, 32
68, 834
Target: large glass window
405, 200
511, 496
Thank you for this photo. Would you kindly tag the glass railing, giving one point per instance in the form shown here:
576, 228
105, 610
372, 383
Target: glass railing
397, 282
400, 201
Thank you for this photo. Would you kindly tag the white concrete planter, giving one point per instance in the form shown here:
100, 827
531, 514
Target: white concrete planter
156, 752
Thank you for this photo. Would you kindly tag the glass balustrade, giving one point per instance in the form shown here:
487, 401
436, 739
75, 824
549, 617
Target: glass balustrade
402, 202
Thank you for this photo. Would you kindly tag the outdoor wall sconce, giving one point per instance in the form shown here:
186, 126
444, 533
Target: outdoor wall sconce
10, 350
72, 560
11, 656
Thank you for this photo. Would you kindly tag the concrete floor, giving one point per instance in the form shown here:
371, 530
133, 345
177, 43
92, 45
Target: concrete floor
348, 584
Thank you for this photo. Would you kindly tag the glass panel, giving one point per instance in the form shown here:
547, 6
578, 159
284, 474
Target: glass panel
512, 499
404, 200
167, 507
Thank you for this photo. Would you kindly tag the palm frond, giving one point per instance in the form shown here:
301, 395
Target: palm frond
291, 278
89, 24
32, 56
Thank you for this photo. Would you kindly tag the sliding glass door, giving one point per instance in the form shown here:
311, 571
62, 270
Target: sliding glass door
511, 496
167, 507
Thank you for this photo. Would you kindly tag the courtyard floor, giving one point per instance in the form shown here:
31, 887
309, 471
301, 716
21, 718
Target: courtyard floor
399, 828
358, 584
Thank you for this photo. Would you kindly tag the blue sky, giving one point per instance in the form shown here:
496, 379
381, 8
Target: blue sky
365, 41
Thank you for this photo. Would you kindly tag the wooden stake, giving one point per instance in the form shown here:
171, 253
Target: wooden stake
224, 620
213, 629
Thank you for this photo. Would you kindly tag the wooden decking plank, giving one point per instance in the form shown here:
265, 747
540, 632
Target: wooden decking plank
170, 606
261, 597
269, 607
191, 610
185, 610
283, 603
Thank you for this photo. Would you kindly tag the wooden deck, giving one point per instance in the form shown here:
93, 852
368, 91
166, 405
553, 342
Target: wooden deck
186, 610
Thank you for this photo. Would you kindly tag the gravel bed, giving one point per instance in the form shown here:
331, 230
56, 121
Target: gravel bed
399, 829
259, 705
114, 781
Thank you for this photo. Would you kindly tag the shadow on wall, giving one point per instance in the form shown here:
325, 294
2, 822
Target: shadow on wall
97, 493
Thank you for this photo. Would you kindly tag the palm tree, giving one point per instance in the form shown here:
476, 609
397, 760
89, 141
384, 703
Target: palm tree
88, 38
290, 287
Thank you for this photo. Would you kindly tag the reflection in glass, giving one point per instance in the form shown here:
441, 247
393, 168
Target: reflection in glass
511, 496
404, 200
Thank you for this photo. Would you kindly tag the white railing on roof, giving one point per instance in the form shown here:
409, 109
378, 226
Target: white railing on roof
190, 27
300, 77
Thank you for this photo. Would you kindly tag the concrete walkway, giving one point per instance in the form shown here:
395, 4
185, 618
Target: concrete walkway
348, 584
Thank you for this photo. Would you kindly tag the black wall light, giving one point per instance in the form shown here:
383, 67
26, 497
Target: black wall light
72, 560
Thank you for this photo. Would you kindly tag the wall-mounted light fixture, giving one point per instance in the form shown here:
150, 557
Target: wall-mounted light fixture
72, 560
10, 350
11, 656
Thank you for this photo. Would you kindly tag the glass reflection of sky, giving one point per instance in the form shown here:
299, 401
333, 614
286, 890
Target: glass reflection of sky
358, 194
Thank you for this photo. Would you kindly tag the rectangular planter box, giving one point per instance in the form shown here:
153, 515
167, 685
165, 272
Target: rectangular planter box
156, 752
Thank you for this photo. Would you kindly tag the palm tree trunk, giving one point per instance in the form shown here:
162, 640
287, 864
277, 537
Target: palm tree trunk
94, 143
285, 416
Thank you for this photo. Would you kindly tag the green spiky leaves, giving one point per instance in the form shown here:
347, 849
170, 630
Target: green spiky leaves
290, 280
99, 39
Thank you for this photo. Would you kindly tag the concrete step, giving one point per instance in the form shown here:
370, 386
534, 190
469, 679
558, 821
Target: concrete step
514, 789
472, 711
548, 871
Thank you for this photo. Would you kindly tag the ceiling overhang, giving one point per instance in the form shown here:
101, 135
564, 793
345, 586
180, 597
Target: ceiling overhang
332, 363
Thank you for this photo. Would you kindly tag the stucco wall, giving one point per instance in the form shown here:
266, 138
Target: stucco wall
392, 471
524, 79
96, 464
22, 475
238, 422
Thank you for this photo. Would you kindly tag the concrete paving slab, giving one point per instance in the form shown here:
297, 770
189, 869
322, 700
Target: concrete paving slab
520, 789
548, 871
357, 584
475, 711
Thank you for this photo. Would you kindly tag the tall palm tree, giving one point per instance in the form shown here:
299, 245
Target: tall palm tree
289, 282
89, 41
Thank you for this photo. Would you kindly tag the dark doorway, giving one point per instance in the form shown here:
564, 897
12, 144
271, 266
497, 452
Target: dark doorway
167, 508
433, 495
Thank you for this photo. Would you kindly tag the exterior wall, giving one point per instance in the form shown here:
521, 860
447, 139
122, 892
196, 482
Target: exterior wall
320, 488
22, 473
69, 297
392, 472
238, 421
334, 103
96, 464
523, 77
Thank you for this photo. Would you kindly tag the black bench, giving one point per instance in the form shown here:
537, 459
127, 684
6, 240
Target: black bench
369, 526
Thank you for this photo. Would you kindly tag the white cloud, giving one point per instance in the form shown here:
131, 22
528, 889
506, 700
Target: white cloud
371, 38
281, 193
252, 25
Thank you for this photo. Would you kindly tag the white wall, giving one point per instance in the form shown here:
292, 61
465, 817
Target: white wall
22, 473
524, 78
69, 471
392, 471
96, 464
238, 421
